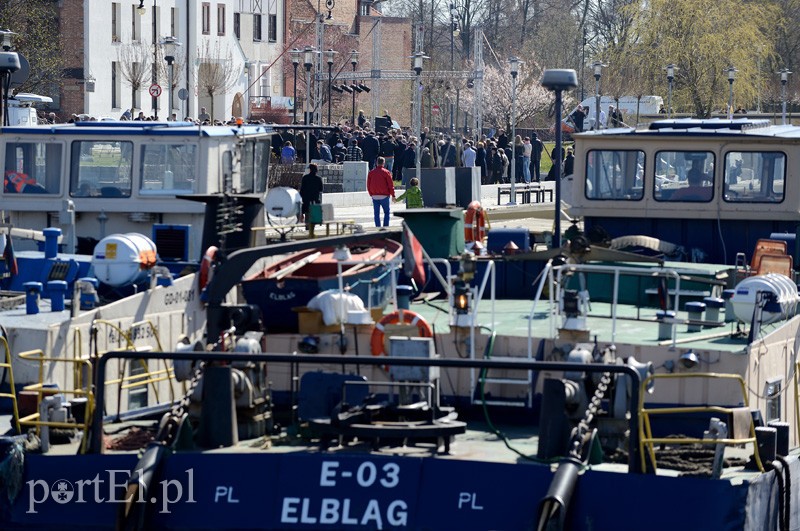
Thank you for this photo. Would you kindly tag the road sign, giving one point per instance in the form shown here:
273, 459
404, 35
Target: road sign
183, 94
435, 109
155, 90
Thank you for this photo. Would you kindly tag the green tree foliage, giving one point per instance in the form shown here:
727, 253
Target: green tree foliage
36, 24
703, 38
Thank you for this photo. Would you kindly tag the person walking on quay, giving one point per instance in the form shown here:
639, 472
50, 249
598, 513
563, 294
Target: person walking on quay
354, 153
469, 155
380, 188
536, 157
288, 153
310, 193
412, 195
527, 149
480, 161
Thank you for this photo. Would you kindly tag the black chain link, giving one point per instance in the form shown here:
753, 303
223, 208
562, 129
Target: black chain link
170, 428
583, 428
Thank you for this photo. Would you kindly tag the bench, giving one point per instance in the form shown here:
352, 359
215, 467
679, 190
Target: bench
526, 191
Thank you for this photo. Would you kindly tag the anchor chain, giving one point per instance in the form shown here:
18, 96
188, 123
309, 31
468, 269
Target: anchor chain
171, 423
583, 429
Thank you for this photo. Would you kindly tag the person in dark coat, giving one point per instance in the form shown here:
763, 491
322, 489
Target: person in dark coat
536, 157
480, 161
371, 148
310, 193
409, 162
399, 151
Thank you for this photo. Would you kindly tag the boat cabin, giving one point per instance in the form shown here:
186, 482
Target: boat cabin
713, 187
94, 179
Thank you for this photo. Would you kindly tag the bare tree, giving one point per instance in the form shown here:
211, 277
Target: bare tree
36, 24
135, 62
217, 73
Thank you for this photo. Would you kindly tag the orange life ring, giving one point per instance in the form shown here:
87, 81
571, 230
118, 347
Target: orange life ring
400, 316
208, 260
474, 223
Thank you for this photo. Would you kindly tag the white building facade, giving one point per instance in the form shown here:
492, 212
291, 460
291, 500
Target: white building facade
228, 57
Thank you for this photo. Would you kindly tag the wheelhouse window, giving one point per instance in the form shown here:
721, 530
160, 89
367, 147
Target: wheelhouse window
684, 176
32, 168
254, 167
754, 177
617, 175
169, 169
101, 168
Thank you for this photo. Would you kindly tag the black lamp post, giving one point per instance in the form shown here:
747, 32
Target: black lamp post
670, 78
329, 57
308, 62
514, 63
354, 61
295, 61
558, 81
731, 78
598, 73
784, 79
418, 59
170, 45
9, 63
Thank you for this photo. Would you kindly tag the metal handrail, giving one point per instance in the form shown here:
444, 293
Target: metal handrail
646, 439
96, 438
12, 395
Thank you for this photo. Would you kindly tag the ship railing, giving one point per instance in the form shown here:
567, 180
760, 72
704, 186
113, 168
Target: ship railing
634, 461
42, 389
646, 440
6, 366
147, 377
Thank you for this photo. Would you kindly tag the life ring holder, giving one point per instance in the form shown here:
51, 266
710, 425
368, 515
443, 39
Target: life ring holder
475, 221
399, 317
206, 264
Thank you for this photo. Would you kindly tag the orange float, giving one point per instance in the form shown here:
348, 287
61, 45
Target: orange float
474, 223
399, 317
209, 257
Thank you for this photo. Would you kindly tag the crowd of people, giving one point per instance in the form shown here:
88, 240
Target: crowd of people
492, 154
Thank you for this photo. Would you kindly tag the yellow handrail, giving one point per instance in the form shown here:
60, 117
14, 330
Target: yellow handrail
34, 418
12, 395
646, 440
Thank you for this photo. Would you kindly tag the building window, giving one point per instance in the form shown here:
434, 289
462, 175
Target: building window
114, 83
256, 27
220, 19
273, 28
115, 13
173, 21
136, 25
206, 18
135, 94
237, 21
365, 9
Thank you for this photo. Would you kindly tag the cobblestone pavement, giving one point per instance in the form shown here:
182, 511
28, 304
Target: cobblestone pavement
536, 217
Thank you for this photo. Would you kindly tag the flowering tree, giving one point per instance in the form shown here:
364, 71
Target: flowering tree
532, 98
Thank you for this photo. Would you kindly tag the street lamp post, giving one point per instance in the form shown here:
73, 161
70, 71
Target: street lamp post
514, 63
598, 73
731, 77
453, 27
308, 62
354, 61
170, 45
295, 61
558, 81
583, 62
670, 78
784, 79
418, 58
329, 58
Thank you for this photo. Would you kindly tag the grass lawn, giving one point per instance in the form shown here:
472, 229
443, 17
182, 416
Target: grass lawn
546, 162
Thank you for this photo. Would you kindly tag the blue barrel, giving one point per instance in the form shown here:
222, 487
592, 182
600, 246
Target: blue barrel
404, 297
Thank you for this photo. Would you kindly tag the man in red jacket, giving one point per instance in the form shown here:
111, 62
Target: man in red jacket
380, 188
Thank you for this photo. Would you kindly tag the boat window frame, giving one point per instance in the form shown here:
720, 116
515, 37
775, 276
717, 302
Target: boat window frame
168, 192
726, 191
641, 188
669, 200
105, 192
56, 173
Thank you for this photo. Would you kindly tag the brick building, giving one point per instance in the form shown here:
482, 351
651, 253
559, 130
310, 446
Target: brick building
353, 25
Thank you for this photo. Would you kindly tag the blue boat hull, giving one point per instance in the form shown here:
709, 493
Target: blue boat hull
341, 491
